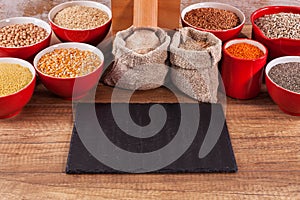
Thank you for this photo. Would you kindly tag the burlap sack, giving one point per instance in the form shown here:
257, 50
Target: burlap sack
194, 58
140, 57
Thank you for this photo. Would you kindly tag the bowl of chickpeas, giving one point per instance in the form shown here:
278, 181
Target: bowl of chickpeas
69, 70
17, 83
23, 37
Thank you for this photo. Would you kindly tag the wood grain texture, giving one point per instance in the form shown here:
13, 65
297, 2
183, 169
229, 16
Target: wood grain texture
34, 145
123, 14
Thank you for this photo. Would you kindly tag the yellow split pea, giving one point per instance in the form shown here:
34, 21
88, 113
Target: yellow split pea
13, 78
68, 63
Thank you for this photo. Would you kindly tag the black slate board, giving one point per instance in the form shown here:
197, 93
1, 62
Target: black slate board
220, 159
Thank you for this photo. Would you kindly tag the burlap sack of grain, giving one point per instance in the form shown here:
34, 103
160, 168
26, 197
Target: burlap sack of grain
194, 58
140, 57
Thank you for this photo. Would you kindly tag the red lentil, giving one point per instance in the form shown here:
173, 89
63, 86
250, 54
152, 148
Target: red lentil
68, 63
245, 51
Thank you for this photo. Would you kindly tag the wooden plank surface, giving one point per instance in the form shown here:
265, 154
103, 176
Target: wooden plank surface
34, 147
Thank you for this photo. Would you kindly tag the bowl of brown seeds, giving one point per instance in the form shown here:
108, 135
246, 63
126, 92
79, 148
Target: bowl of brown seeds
23, 37
17, 82
223, 20
283, 83
81, 21
278, 28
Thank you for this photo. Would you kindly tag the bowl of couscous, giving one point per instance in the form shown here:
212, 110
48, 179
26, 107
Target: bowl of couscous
17, 82
69, 70
81, 21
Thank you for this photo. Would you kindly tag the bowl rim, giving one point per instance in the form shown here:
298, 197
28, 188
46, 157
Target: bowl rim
281, 60
29, 18
248, 41
28, 65
253, 18
69, 45
70, 3
202, 4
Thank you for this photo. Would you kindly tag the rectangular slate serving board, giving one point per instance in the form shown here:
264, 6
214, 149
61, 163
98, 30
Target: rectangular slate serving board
81, 161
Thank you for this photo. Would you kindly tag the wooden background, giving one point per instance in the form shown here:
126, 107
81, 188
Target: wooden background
40, 8
34, 146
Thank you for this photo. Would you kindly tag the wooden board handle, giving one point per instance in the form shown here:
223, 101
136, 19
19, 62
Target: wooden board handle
145, 13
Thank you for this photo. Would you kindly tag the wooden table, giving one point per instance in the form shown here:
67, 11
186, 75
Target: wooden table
34, 148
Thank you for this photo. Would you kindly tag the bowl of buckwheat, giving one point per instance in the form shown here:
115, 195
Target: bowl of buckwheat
69, 70
80, 21
278, 28
23, 37
223, 20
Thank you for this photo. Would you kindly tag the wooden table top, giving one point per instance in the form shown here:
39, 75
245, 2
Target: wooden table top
34, 147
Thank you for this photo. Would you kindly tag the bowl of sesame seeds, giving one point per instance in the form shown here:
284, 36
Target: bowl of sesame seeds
17, 82
278, 28
223, 20
69, 70
81, 21
283, 83
23, 37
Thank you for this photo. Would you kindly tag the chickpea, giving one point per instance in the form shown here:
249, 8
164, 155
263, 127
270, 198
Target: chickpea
19, 35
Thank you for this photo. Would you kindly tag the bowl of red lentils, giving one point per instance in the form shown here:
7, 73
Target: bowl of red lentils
278, 28
242, 67
223, 20
69, 70
17, 82
81, 21
283, 83
23, 37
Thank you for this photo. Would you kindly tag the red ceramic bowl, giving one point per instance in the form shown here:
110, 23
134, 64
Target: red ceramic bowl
242, 78
27, 52
288, 101
223, 35
277, 47
70, 88
12, 104
91, 36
